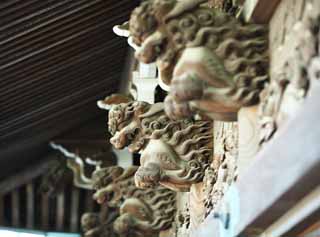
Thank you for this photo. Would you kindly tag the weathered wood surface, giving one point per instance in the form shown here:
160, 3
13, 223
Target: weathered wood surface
248, 136
284, 171
313, 231
299, 218
223, 169
285, 16
196, 206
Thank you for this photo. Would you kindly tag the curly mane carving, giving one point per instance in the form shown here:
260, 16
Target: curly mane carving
205, 55
173, 153
142, 211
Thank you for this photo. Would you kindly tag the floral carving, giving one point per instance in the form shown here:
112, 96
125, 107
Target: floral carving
143, 212
214, 63
173, 153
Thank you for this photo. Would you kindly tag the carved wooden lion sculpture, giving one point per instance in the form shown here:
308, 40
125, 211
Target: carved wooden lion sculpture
94, 226
143, 212
214, 63
173, 153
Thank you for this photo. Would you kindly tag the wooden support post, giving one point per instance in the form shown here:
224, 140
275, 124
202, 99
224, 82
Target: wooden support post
60, 212
15, 208
30, 206
74, 222
45, 212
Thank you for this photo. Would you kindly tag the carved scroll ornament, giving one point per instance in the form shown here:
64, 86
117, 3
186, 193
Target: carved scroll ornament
173, 153
143, 212
214, 63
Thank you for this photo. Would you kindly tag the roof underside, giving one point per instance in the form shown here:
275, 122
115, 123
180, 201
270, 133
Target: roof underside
57, 58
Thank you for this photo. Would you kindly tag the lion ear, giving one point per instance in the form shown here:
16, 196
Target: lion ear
113, 99
122, 30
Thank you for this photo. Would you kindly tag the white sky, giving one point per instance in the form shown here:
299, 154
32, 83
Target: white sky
10, 233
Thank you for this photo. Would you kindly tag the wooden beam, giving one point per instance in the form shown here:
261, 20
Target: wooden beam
284, 172
312, 231
74, 222
25, 176
308, 225
30, 206
293, 220
259, 11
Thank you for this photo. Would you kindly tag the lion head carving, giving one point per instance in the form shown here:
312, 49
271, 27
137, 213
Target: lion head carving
142, 211
174, 153
112, 184
129, 127
214, 63
94, 226
138, 219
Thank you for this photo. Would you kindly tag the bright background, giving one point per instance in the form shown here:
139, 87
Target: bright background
22, 233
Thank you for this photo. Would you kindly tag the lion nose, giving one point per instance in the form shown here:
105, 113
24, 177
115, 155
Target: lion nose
117, 142
143, 56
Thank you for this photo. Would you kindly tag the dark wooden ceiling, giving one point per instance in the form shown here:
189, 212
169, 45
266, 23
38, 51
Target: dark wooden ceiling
57, 58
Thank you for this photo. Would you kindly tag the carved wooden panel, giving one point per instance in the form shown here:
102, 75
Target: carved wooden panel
294, 42
223, 170
286, 168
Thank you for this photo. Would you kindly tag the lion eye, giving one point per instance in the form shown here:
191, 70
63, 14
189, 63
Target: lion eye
130, 136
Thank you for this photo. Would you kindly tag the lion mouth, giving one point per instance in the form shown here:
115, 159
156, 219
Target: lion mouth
136, 146
101, 200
